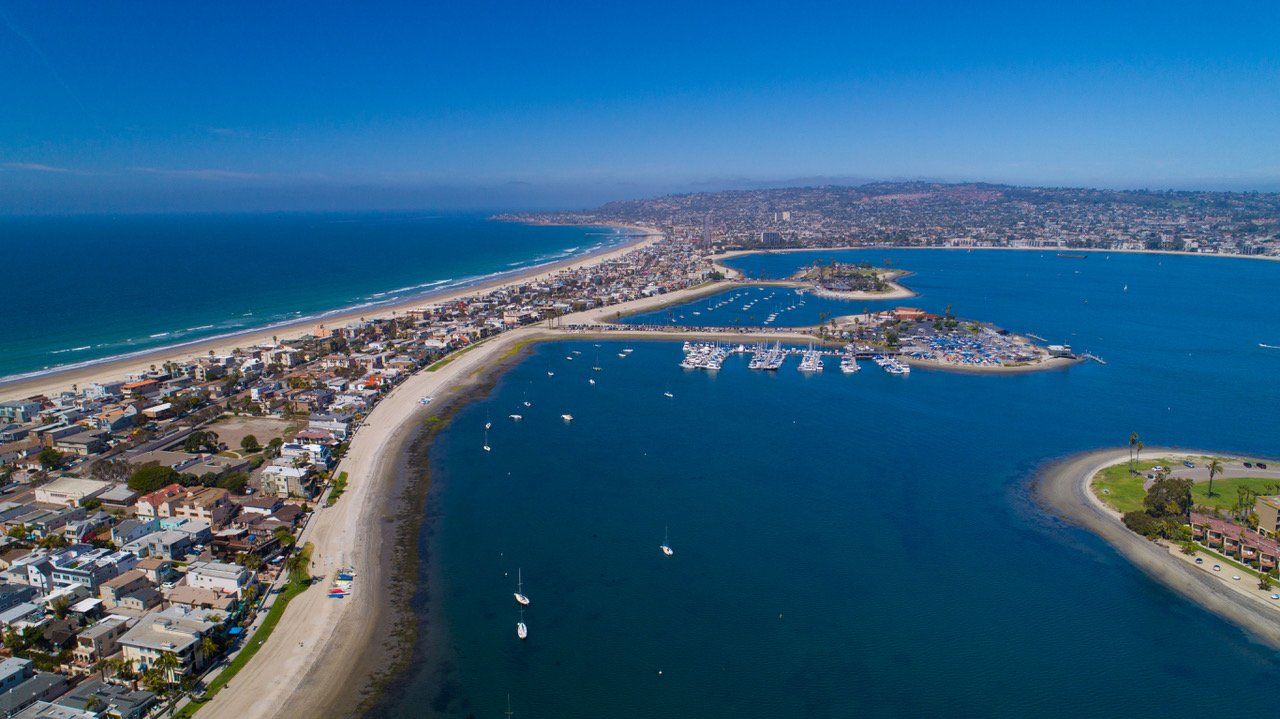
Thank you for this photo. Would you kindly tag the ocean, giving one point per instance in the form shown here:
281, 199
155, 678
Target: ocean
845, 545
87, 288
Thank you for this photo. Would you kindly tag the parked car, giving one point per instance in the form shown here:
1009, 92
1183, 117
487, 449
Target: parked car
1199, 560
1188, 464
1248, 464
1217, 567
1260, 465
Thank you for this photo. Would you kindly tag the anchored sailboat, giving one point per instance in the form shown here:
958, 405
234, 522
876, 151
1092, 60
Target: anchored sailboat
520, 597
521, 630
666, 543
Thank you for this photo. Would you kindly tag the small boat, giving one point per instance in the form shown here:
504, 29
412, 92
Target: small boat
527, 403
486, 439
591, 381
521, 630
666, 544
516, 417
425, 401
667, 394
487, 425
567, 417
550, 373
521, 599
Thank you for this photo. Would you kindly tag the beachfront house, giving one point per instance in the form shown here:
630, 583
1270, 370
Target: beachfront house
177, 631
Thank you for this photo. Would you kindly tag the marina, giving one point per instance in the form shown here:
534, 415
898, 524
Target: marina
711, 356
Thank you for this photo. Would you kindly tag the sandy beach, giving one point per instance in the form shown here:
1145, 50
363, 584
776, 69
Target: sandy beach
1063, 487
320, 652
114, 369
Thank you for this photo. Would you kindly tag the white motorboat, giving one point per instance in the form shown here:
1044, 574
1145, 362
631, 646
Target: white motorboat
516, 417
567, 417
522, 631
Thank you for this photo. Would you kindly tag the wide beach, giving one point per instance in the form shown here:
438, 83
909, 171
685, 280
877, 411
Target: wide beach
57, 380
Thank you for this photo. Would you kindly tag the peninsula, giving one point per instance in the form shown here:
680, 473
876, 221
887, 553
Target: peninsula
1203, 524
239, 476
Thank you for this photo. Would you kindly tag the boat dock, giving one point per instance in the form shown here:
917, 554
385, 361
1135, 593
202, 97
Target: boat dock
711, 356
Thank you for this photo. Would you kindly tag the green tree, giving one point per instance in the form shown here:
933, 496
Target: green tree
1215, 468
250, 443
50, 458
110, 470
201, 441
1133, 443
150, 477
1169, 497
1264, 582
168, 664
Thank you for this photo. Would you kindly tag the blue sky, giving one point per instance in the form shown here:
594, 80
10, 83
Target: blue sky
137, 106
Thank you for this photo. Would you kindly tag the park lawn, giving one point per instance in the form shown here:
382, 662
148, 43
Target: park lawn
1123, 490
1225, 490
295, 586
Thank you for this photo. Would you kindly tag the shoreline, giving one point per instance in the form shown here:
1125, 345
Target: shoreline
1084, 250
114, 368
320, 644
1063, 487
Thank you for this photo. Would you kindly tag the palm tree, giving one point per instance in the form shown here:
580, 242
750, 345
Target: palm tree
208, 647
1215, 468
1137, 450
1133, 442
166, 667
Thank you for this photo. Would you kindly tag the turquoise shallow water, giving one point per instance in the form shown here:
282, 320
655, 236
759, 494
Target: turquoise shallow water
81, 289
845, 545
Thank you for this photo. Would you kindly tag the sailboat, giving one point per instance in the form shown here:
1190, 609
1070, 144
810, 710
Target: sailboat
596, 367
486, 439
591, 381
521, 630
666, 544
516, 417
509, 712
668, 394
520, 597
567, 417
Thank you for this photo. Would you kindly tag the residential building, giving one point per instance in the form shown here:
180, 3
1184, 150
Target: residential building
100, 640
178, 631
223, 577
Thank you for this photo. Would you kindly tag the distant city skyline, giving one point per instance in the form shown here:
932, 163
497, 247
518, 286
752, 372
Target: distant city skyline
236, 107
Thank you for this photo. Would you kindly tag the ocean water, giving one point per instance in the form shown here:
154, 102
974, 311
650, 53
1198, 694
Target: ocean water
81, 289
858, 545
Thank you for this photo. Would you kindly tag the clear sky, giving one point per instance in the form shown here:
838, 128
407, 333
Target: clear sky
222, 105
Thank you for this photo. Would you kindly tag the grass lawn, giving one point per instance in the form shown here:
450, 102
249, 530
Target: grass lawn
1120, 489
295, 586
1224, 490
1125, 491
